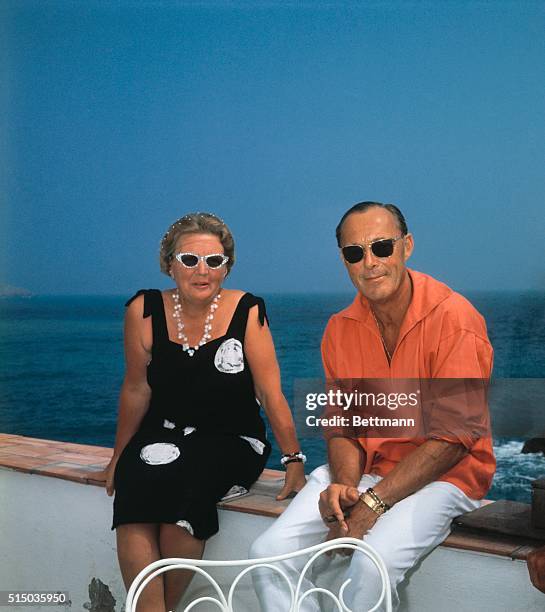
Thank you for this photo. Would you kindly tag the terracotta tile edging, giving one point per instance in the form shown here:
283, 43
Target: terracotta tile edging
56, 459
60, 460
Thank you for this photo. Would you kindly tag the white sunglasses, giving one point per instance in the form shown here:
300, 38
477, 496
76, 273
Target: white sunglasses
212, 261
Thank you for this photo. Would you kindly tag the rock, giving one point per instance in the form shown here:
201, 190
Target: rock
534, 445
101, 598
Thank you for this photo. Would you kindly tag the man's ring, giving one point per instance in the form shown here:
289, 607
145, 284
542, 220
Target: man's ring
330, 519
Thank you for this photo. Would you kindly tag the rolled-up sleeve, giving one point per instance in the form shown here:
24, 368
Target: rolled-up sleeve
456, 399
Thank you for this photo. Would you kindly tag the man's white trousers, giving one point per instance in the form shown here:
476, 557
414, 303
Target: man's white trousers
409, 530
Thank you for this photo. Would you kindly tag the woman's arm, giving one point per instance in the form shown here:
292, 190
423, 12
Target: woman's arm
135, 391
261, 356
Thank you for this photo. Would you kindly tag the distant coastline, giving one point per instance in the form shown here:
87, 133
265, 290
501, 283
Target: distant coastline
11, 291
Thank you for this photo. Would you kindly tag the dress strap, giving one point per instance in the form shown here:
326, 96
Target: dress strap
154, 306
237, 327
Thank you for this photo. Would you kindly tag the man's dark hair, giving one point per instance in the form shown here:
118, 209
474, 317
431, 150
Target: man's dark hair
364, 206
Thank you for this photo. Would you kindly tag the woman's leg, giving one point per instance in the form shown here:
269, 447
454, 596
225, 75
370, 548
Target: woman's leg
137, 547
176, 541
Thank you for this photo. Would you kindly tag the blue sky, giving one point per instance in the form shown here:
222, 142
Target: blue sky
119, 117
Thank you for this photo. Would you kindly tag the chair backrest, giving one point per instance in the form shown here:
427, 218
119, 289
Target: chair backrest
225, 603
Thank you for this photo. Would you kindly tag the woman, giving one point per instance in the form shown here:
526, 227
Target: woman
189, 428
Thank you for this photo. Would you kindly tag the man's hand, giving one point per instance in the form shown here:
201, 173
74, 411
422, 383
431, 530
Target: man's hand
335, 504
335, 531
536, 568
333, 501
357, 519
360, 522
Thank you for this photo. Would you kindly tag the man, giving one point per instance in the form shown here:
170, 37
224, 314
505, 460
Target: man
398, 494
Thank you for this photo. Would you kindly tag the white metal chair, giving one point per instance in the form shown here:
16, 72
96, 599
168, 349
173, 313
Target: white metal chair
225, 604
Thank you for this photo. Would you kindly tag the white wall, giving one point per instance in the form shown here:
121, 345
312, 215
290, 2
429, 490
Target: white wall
55, 535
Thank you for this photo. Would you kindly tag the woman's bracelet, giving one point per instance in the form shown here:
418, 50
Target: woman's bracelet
294, 460
296, 457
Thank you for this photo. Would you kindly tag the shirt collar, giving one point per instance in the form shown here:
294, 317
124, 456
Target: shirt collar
427, 294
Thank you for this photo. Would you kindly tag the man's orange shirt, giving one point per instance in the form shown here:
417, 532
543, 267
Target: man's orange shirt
442, 336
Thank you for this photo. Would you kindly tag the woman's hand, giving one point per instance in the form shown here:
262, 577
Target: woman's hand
107, 474
294, 481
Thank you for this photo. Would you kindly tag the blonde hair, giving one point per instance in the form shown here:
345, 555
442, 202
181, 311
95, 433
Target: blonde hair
196, 223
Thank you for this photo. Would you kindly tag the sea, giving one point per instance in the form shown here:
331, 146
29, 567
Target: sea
61, 367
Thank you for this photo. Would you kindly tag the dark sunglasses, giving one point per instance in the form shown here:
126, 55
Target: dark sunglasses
353, 253
191, 260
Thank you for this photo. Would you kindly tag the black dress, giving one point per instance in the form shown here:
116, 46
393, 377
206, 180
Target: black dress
189, 450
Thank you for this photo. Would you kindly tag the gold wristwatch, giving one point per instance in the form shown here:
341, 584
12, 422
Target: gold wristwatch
373, 501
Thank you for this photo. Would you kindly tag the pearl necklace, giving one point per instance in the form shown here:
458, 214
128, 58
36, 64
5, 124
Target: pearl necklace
177, 314
382, 338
